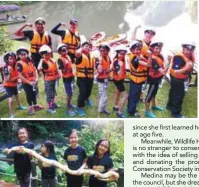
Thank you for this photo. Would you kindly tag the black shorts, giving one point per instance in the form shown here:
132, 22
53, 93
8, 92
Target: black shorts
11, 91
72, 57
119, 85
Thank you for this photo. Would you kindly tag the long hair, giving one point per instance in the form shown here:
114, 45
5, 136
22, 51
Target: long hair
97, 145
50, 147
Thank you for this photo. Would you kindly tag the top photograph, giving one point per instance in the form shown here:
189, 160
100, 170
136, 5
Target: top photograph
108, 59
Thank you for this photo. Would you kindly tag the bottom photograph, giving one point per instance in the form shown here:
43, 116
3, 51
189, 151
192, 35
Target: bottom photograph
76, 153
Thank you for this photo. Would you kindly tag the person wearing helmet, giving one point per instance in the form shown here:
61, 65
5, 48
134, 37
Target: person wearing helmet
10, 82
85, 75
156, 73
66, 68
149, 34
29, 77
49, 68
37, 37
181, 66
103, 69
69, 37
138, 75
119, 74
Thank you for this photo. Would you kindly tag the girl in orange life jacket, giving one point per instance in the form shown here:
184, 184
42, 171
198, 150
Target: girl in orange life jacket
156, 73
119, 74
138, 75
51, 74
29, 76
65, 65
181, 65
103, 70
148, 36
85, 75
10, 82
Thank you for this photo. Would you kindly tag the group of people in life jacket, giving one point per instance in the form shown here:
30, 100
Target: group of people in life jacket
146, 64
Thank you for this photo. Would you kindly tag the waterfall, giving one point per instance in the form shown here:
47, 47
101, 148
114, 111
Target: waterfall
172, 20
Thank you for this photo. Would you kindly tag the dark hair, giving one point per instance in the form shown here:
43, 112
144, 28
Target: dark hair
117, 54
7, 55
22, 128
74, 131
87, 43
97, 145
50, 147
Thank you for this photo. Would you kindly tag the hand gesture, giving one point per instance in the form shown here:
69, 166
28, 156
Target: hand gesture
29, 24
63, 24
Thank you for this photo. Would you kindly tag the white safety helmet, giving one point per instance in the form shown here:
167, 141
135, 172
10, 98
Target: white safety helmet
156, 43
40, 19
22, 48
60, 46
150, 30
189, 44
45, 49
134, 44
121, 47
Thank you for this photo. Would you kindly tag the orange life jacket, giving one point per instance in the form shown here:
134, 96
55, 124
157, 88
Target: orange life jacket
28, 71
72, 41
153, 73
86, 68
117, 76
52, 72
37, 41
13, 75
145, 48
179, 75
138, 75
105, 63
67, 72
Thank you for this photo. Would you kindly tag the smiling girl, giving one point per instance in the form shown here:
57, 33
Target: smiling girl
75, 157
22, 163
100, 161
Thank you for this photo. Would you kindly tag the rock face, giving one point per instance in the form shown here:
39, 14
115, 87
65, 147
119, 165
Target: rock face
191, 6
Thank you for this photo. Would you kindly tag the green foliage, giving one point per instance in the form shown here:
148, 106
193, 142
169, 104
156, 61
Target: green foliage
6, 168
5, 43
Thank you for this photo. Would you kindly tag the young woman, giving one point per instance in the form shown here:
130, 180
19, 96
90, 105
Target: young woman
29, 76
138, 76
66, 67
100, 161
103, 67
10, 82
22, 163
85, 75
50, 69
48, 173
75, 157
156, 73
119, 74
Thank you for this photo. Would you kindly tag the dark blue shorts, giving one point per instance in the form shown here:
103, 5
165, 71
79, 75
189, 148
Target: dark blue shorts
68, 88
11, 91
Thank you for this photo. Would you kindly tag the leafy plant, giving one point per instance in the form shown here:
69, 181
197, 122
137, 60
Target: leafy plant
5, 43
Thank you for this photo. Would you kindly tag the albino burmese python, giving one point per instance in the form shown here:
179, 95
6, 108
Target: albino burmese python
108, 176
